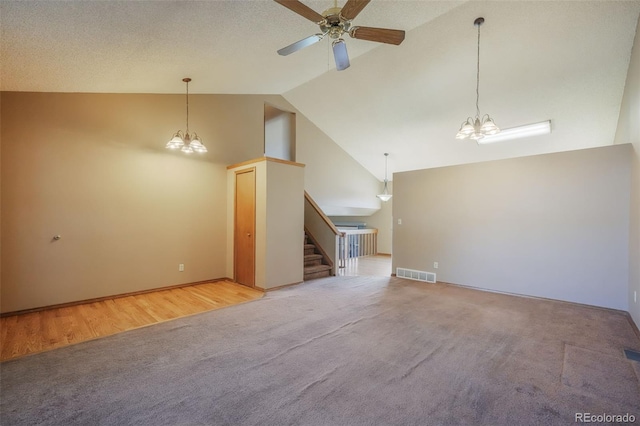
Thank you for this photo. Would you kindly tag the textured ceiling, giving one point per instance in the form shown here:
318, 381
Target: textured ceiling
564, 61
148, 46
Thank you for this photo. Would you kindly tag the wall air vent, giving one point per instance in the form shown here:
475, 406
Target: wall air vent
411, 274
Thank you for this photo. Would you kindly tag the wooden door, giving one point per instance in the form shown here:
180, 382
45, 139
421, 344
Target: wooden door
245, 227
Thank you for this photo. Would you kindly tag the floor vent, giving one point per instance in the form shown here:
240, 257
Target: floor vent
632, 355
412, 274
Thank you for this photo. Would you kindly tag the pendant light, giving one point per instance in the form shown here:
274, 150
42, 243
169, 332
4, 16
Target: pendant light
477, 128
385, 196
186, 142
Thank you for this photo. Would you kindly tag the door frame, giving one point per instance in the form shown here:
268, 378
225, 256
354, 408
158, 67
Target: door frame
235, 225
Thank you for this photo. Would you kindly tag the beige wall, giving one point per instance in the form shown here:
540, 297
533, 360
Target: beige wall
285, 224
87, 167
279, 133
93, 168
554, 226
629, 132
336, 182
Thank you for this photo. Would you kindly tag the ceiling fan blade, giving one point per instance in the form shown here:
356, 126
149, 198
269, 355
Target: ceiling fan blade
302, 10
381, 35
300, 44
352, 8
340, 54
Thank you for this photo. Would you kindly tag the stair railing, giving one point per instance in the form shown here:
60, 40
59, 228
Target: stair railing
324, 231
357, 243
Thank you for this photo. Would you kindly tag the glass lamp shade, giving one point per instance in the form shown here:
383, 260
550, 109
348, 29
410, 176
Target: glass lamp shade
187, 149
477, 130
196, 144
465, 130
176, 141
340, 54
385, 196
489, 127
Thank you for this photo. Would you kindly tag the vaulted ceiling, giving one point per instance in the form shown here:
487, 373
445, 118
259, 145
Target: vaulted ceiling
540, 60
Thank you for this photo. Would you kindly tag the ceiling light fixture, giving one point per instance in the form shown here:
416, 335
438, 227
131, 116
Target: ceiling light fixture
186, 142
542, 128
478, 128
335, 22
385, 196
340, 54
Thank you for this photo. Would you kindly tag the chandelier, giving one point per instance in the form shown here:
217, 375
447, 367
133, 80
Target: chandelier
477, 128
385, 196
186, 142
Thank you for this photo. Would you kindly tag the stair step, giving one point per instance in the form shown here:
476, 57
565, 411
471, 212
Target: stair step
318, 271
312, 259
309, 249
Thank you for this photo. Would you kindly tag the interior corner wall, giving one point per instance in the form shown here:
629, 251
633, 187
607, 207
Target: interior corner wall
279, 222
553, 226
628, 131
337, 183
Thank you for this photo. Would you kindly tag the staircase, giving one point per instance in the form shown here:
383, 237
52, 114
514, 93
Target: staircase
315, 265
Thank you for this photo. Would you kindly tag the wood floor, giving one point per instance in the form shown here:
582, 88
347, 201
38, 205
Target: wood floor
57, 327
53, 328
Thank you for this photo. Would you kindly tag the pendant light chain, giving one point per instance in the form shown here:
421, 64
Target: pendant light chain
187, 107
385, 196
386, 157
478, 77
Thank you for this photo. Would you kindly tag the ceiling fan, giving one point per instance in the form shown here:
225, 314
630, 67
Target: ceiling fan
335, 22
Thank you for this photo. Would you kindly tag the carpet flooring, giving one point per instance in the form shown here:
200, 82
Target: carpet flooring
342, 351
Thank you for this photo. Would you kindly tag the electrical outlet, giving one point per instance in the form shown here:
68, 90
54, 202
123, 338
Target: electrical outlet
399, 221
181, 267
435, 265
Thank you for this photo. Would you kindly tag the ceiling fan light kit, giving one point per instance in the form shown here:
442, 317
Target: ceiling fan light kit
186, 142
478, 128
340, 54
335, 22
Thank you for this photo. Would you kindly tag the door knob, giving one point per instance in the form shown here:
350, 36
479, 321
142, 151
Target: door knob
248, 235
